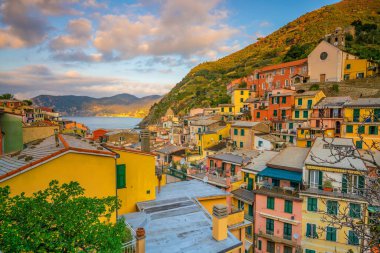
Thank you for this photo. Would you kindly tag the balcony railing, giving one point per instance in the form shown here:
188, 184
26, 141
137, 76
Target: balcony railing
248, 217
269, 232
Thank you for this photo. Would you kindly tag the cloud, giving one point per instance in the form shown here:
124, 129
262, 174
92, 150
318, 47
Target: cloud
25, 23
79, 34
265, 24
33, 80
181, 28
94, 4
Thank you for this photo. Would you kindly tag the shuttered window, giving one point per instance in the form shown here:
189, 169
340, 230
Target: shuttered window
332, 207
270, 203
120, 176
349, 129
331, 234
288, 206
312, 205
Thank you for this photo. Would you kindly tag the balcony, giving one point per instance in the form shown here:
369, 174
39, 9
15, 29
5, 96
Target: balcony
265, 188
277, 239
326, 115
334, 192
269, 232
248, 217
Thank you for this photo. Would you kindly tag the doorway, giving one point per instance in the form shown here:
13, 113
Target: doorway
322, 78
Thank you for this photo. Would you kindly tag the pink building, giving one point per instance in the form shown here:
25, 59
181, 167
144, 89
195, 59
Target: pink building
278, 208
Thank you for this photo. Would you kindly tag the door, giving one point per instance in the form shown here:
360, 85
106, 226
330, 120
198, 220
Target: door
322, 78
337, 127
250, 184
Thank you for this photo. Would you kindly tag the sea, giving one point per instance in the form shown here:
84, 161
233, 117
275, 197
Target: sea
106, 122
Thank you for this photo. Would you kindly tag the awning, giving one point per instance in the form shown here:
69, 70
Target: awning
281, 174
374, 209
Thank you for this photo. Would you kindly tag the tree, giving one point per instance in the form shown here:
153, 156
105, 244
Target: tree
59, 219
6, 96
27, 102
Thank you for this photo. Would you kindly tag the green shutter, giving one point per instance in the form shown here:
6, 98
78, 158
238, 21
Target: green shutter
250, 184
376, 115
242, 132
250, 210
344, 183
320, 178
361, 184
290, 125
308, 230
296, 114
309, 103
120, 176
332, 207
284, 100
220, 137
305, 114
270, 203
288, 206
359, 144
356, 115
258, 115
300, 101
361, 129
349, 129
274, 113
260, 245
235, 131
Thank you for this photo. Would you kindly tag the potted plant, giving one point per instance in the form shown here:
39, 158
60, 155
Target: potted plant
327, 186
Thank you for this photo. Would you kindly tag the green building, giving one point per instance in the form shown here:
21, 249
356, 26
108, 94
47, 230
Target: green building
11, 127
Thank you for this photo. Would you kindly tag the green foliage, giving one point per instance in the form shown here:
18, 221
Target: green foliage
59, 219
28, 102
314, 87
291, 42
297, 52
335, 88
6, 96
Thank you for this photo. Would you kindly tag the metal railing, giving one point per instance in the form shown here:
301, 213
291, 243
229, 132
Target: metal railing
130, 247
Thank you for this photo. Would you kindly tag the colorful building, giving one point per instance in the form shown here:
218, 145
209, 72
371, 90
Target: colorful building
72, 127
11, 125
278, 216
327, 63
202, 125
307, 135
98, 134
304, 103
328, 114
359, 68
362, 121
238, 97
258, 108
243, 133
280, 105
332, 188
227, 109
283, 75
212, 137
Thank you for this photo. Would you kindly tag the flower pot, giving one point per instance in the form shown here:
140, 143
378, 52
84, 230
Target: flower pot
328, 189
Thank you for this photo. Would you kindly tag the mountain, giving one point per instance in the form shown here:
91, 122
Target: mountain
118, 105
204, 85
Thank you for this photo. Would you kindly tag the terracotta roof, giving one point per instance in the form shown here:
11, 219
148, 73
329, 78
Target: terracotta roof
131, 150
284, 65
41, 151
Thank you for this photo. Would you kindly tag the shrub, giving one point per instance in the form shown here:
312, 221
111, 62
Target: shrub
335, 88
314, 87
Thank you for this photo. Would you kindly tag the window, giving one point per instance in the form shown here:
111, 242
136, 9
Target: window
282, 71
332, 207
120, 176
236, 131
348, 66
349, 129
359, 144
286, 83
309, 251
258, 115
353, 239
220, 137
260, 245
373, 130
291, 139
241, 205
314, 180
222, 109
248, 230
260, 143
275, 113
270, 247
287, 231
290, 125
241, 144
360, 75
287, 249
300, 101
308, 144
346, 76
356, 115
230, 109
242, 132
331, 234
276, 182
283, 100
305, 114
241, 100
270, 203
361, 129
288, 206
311, 230
269, 226
312, 204
355, 210
296, 114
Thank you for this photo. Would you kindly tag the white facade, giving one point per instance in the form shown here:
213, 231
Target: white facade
326, 63
262, 144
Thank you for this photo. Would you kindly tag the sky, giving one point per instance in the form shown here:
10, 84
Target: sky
101, 48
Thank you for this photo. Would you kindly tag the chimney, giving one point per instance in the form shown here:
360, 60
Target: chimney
56, 138
219, 222
145, 140
140, 240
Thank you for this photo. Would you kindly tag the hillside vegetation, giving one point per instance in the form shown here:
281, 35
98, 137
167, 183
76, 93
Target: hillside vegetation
204, 85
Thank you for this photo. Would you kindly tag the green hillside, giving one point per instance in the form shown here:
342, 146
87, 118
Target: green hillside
204, 85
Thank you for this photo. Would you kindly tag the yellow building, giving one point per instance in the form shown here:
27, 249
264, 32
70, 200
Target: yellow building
333, 188
307, 135
238, 98
141, 183
359, 68
362, 121
304, 102
64, 159
212, 137
227, 109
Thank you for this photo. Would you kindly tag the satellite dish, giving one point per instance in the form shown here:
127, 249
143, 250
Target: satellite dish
205, 179
295, 236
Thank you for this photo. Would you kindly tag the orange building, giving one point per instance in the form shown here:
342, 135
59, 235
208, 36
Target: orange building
280, 105
258, 108
98, 134
283, 75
